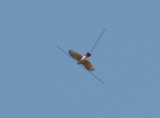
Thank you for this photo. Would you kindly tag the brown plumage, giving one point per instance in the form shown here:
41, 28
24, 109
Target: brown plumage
81, 60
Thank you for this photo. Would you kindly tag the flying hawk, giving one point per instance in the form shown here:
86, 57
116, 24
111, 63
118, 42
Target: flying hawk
82, 59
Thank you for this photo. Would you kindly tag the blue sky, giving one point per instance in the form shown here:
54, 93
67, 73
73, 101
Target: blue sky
37, 80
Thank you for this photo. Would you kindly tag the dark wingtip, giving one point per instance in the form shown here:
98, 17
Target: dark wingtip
70, 51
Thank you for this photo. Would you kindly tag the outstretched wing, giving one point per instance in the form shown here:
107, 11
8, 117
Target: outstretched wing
88, 65
75, 55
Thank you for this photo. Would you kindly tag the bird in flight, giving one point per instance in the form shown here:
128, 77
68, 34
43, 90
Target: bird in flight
83, 59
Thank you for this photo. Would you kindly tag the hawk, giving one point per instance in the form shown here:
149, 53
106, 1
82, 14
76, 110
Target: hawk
82, 59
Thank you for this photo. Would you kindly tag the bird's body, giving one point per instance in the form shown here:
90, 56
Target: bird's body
82, 60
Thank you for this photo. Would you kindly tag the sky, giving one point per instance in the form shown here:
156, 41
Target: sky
37, 80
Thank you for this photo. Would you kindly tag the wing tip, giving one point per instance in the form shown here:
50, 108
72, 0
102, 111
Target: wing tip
91, 69
70, 51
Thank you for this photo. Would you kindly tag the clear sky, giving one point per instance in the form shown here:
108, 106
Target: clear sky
37, 80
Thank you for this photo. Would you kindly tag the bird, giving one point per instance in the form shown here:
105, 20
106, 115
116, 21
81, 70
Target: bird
82, 59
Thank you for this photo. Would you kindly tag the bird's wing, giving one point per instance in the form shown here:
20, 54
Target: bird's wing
75, 55
88, 65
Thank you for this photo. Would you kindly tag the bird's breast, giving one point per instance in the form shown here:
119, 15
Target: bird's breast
82, 60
